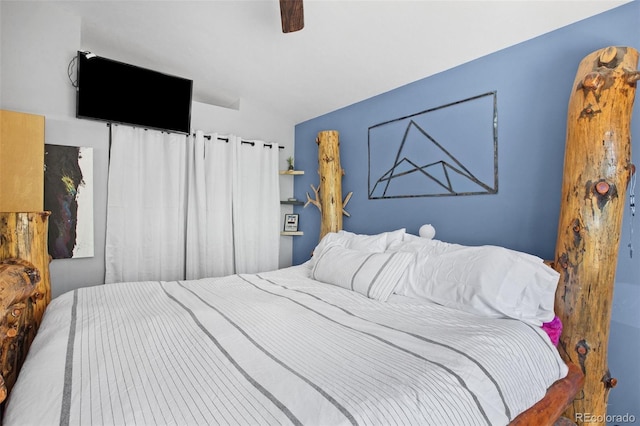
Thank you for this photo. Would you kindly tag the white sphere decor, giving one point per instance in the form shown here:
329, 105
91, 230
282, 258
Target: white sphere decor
427, 231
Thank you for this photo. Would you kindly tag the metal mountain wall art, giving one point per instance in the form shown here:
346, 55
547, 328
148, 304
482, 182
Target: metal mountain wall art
448, 150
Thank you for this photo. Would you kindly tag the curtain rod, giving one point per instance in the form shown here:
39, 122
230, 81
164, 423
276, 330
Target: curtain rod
252, 143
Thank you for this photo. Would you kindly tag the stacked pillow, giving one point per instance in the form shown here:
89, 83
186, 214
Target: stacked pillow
373, 274
486, 280
366, 243
359, 262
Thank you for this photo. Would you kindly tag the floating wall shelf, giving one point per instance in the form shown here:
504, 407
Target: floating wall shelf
291, 202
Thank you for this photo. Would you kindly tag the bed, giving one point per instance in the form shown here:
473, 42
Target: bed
283, 347
381, 329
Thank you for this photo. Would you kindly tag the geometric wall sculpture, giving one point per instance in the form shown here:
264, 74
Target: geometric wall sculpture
448, 150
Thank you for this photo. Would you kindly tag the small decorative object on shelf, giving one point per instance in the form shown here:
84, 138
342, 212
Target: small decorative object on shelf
290, 162
291, 222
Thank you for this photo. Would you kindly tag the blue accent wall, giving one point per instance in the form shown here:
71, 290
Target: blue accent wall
533, 81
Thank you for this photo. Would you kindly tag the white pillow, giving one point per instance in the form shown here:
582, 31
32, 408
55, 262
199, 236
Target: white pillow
372, 274
487, 280
415, 244
368, 243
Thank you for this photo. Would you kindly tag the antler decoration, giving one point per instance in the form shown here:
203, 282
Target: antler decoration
316, 200
344, 204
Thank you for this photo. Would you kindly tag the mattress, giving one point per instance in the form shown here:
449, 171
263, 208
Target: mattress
274, 348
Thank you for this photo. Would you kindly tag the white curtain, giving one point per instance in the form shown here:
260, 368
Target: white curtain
209, 218
190, 206
146, 206
256, 207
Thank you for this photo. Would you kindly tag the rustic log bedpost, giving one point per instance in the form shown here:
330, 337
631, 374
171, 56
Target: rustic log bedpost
24, 287
24, 236
597, 170
330, 181
328, 195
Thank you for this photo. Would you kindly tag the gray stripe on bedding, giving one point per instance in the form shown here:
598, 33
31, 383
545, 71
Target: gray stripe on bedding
65, 409
355, 274
531, 371
246, 375
375, 278
424, 339
163, 369
194, 372
200, 370
426, 407
442, 366
417, 336
328, 397
132, 394
277, 332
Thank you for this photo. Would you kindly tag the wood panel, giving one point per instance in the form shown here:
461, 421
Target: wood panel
21, 162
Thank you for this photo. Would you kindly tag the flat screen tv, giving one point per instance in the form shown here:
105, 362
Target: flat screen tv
116, 92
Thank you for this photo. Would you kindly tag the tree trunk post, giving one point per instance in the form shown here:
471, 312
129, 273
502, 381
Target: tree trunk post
597, 170
330, 181
24, 236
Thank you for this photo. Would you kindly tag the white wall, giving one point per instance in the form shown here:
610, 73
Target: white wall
38, 41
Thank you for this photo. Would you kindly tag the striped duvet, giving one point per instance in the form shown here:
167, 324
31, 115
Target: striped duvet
274, 348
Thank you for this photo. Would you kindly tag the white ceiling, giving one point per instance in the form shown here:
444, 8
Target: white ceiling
349, 50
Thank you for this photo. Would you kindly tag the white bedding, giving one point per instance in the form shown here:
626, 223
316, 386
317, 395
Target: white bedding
274, 348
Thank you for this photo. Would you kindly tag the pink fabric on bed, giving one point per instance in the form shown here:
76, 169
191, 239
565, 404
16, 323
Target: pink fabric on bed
553, 329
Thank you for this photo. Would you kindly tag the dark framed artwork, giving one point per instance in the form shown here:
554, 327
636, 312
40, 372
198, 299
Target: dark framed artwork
68, 195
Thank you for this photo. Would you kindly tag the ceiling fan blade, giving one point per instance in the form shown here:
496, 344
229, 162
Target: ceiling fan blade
292, 15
